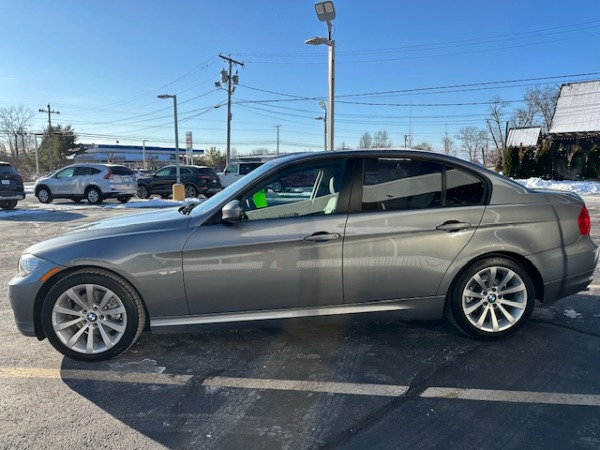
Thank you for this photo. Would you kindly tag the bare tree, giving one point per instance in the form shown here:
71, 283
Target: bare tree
472, 140
496, 123
382, 140
14, 123
424, 146
543, 101
366, 141
449, 146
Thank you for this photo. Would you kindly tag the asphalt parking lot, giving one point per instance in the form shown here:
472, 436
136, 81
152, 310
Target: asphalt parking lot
351, 383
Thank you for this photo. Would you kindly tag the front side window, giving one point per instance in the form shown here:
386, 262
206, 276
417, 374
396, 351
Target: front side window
231, 168
310, 189
164, 172
66, 172
408, 184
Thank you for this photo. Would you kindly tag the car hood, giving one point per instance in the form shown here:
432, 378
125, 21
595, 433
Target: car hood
148, 222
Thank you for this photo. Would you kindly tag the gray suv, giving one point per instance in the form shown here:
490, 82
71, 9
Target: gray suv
92, 182
11, 186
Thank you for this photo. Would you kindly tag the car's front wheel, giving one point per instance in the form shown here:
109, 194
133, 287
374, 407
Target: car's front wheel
92, 315
93, 195
44, 195
143, 191
8, 204
492, 298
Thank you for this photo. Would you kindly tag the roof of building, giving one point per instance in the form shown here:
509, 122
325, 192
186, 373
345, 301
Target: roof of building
523, 137
577, 109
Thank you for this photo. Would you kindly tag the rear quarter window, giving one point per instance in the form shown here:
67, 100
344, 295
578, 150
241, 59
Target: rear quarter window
121, 170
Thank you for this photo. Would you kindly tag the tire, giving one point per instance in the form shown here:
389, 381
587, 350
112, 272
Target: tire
190, 191
92, 327
124, 198
93, 195
8, 204
143, 191
492, 298
44, 195
277, 186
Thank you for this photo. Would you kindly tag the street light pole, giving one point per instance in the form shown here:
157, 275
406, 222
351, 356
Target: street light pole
326, 13
178, 193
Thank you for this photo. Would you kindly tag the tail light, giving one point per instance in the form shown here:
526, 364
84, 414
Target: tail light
108, 175
584, 222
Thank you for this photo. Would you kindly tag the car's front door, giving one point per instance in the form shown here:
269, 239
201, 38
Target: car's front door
416, 216
285, 253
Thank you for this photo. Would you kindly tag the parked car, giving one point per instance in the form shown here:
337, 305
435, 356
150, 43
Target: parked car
11, 186
92, 182
237, 169
197, 180
414, 234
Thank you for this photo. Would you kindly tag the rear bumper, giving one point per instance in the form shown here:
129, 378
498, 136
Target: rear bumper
567, 271
10, 197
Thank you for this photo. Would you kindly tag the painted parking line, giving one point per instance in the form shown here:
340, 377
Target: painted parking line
491, 395
381, 390
365, 389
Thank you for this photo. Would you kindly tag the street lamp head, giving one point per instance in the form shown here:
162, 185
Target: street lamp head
165, 96
325, 11
318, 40
320, 118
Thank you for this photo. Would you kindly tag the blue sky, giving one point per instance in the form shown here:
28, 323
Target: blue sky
425, 68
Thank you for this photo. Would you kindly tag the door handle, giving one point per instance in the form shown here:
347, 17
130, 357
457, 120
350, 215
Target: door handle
453, 225
322, 236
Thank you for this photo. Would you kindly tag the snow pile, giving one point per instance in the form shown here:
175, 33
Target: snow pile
579, 187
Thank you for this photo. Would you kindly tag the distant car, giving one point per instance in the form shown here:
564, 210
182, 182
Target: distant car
197, 180
141, 173
416, 235
236, 170
11, 186
92, 182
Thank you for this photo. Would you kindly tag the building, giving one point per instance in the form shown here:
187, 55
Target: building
576, 120
524, 137
136, 156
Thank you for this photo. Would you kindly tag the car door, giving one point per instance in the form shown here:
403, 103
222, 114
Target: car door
163, 180
63, 181
285, 253
413, 219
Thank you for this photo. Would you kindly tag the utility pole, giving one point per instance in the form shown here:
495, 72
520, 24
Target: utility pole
50, 112
278, 127
231, 81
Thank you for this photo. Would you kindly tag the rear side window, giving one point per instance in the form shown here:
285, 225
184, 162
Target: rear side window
121, 170
408, 184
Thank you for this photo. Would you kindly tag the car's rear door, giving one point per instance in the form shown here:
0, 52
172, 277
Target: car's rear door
412, 220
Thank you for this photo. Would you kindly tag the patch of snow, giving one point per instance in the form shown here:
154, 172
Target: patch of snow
572, 314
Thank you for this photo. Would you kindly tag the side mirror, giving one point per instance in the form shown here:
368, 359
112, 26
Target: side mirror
232, 212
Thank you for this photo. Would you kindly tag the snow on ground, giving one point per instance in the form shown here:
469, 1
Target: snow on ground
579, 187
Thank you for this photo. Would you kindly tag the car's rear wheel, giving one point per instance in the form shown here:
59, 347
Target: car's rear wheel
492, 298
143, 191
44, 195
93, 195
8, 204
92, 315
191, 191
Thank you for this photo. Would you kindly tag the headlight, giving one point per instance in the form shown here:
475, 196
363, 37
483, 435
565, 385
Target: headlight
28, 263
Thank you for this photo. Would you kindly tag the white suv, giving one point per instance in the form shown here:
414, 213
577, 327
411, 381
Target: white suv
93, 182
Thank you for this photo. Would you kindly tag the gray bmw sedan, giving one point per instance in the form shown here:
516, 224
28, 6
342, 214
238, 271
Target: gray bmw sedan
421, 234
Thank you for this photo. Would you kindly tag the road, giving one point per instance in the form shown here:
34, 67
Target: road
334, 384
